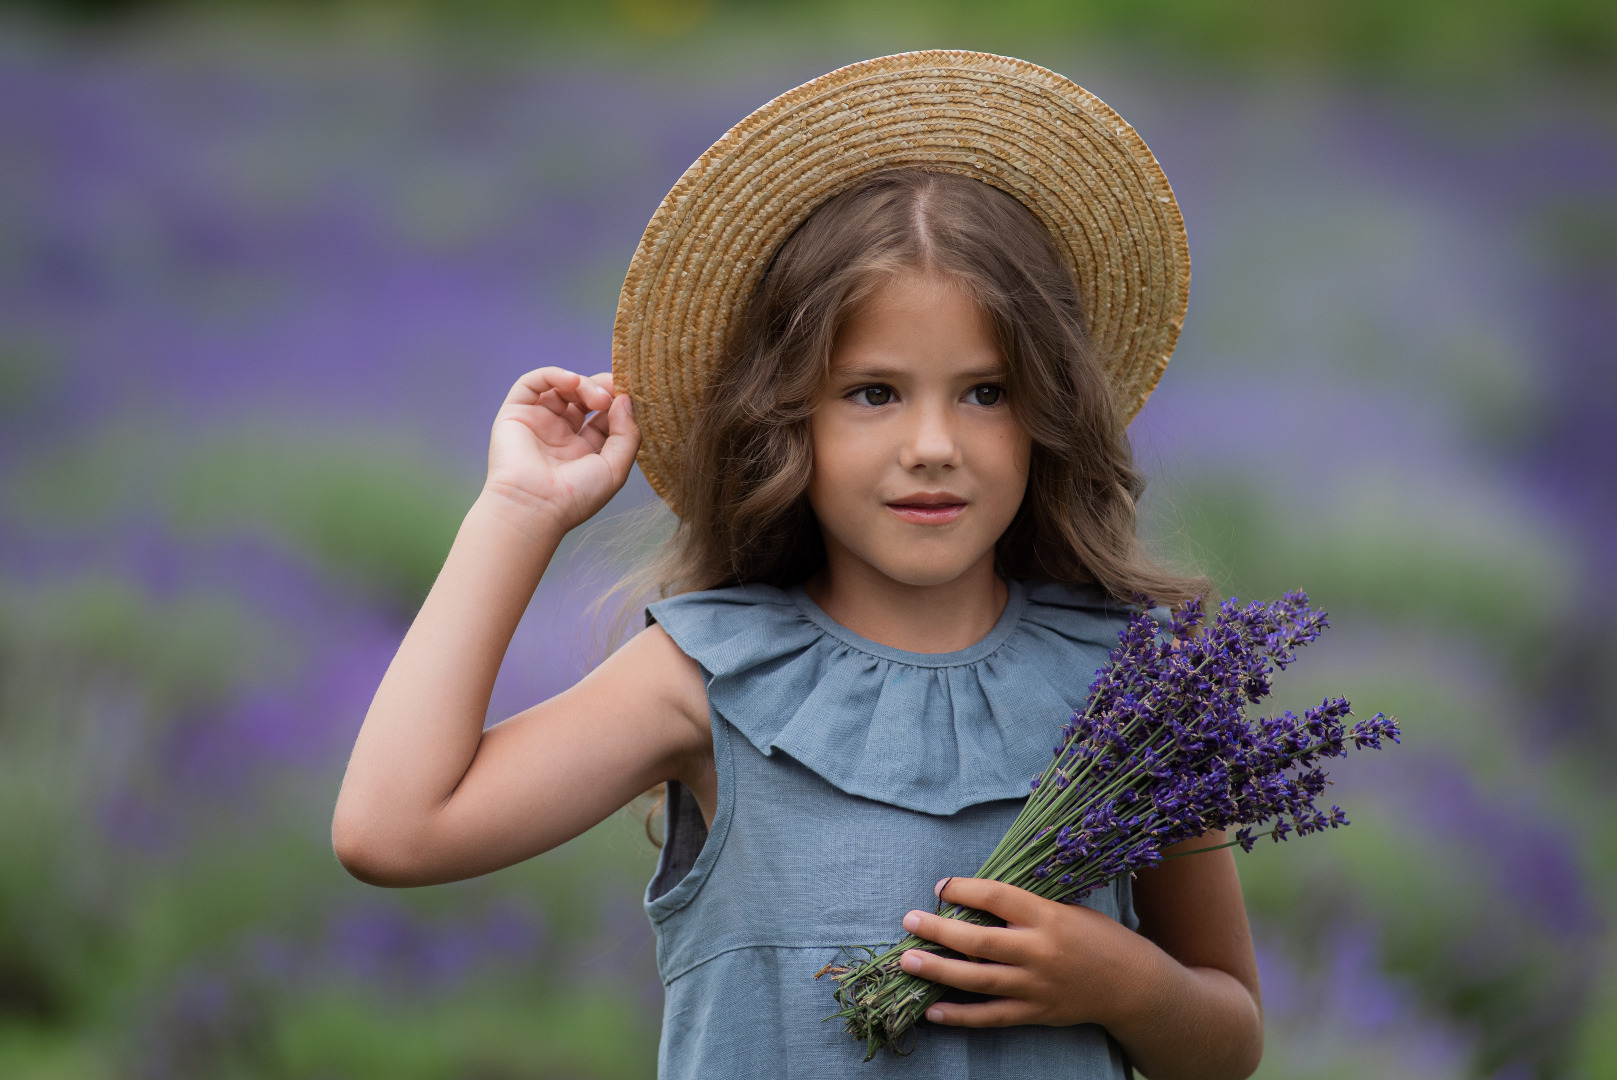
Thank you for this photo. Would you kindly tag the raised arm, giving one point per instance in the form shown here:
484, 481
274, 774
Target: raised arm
429, 796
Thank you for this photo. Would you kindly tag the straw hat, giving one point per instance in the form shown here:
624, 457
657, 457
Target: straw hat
1032, 133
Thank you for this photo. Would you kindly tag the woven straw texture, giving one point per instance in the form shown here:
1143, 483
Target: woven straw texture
1036, 135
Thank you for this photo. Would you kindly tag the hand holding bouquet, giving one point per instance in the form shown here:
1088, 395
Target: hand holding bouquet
1162, 752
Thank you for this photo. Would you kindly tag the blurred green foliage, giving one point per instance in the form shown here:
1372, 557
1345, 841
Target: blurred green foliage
1371, 554
376, 513
96, 928
26, 375
1426, 41
136, 914
370, 513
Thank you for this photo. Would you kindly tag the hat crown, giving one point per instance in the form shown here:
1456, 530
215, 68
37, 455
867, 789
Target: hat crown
1038, 136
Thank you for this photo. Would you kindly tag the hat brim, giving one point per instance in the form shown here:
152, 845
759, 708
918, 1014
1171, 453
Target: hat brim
1038, 136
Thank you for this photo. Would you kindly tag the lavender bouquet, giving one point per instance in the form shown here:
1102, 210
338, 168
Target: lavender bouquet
1162, 752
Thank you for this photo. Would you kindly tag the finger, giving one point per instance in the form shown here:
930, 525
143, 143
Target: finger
1017, 907
594, 395
1001, 1012
565, 413
600, 418
530, 385
568, 410
984, 942
1000, 980
622, 439
595, 430
544, 425
554, 401
569, 386
585, 396
599, 421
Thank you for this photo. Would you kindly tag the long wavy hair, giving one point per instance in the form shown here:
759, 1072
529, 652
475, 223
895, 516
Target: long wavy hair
747, 461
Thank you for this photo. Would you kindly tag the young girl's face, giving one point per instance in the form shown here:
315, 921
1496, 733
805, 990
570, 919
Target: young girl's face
919, 465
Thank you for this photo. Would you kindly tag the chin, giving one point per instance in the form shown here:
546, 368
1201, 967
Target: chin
922, 575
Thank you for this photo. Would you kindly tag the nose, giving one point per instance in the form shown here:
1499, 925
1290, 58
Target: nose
932, 441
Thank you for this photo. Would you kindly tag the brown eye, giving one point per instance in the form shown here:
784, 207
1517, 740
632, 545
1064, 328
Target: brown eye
988, 395
874, 395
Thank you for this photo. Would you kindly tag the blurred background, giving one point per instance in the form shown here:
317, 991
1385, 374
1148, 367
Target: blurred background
266, 270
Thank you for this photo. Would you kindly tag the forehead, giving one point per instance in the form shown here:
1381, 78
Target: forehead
918, 319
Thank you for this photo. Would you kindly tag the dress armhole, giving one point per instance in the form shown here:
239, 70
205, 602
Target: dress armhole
689, 847
1126, 914
684, 834
684, 831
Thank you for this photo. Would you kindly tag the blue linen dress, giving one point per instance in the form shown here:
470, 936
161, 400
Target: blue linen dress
851, 778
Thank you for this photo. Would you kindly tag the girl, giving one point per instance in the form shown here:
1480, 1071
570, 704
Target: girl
906, 544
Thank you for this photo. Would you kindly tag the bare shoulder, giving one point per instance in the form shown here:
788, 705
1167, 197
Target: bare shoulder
652, 671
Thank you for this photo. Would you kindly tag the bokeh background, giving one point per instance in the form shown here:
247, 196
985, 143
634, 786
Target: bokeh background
266, 270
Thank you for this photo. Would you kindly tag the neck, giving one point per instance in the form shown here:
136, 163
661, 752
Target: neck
937, 618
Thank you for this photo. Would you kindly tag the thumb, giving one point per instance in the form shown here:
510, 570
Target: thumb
622, 438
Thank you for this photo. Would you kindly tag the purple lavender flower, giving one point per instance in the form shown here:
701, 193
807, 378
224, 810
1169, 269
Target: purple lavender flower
1162, 752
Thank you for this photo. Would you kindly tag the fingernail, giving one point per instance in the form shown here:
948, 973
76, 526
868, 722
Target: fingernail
935, 1015
910, 962
912, 920
937, 890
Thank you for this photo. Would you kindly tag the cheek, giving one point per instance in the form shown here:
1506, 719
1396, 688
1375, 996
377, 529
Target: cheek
1008, 475
831, 452
1012, 451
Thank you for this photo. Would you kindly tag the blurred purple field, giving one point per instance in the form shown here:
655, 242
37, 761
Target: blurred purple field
260, 296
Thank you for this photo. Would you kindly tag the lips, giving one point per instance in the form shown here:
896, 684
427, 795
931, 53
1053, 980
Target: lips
928, 508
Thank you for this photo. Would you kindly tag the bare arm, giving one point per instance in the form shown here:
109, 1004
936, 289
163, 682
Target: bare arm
429, 796
1199, 1013
1181, 996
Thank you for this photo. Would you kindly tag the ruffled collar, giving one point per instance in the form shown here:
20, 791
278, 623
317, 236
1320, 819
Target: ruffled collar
933, 732
971, 654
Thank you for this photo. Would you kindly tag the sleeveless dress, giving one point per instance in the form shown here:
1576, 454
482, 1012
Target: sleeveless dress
851, 778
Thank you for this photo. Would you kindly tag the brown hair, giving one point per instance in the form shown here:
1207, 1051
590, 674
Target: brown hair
747, 462
747, 459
